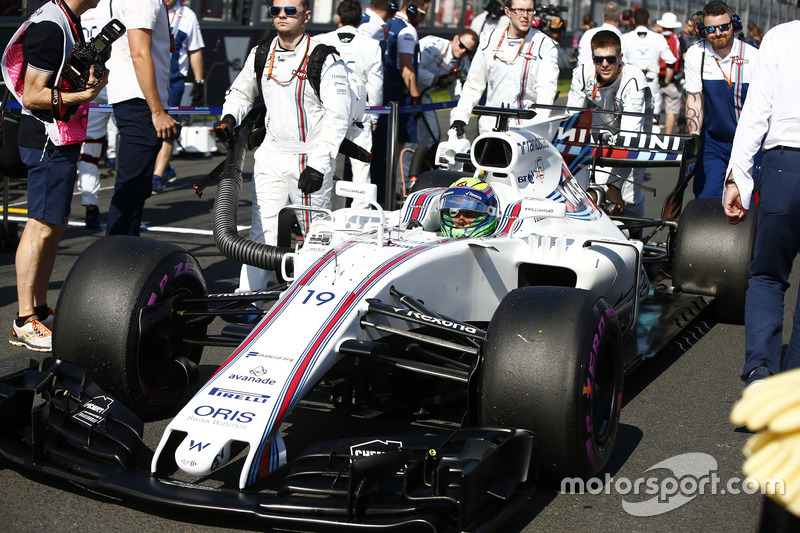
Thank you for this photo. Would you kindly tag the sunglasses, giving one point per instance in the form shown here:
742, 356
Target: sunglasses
466, 48
598, 60
290, 11
518, 11
721, 27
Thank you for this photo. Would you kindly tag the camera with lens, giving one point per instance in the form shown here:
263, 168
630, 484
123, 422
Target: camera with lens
548, 12
92, 53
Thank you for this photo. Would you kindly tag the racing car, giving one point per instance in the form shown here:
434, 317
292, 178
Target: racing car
531, 328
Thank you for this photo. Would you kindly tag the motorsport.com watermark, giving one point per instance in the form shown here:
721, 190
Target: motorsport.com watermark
693, 474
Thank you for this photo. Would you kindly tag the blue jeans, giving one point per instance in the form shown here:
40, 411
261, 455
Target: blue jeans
136, 158
777, 243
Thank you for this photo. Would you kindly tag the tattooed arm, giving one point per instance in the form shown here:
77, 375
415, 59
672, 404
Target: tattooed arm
694, 112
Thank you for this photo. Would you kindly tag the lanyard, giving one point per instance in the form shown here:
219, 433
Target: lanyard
294, 72
179, 13
729, 78
172, 48
497, 49
78, 35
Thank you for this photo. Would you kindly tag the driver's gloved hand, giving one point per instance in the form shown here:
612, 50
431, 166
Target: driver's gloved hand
460, 127
224, 128
310, 180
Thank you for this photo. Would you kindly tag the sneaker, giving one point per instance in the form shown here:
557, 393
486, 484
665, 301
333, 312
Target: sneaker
169, 175
756, 375
158, 184
33, 335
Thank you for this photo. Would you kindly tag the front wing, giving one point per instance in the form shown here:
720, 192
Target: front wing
57, 421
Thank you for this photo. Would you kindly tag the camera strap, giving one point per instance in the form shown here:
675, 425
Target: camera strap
78, 35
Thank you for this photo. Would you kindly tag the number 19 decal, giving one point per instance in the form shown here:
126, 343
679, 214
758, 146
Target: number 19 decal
318, 298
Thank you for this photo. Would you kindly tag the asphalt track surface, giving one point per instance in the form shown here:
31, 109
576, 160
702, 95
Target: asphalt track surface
676, 403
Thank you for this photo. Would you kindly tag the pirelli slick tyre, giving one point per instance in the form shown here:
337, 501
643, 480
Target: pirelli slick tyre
552, 363
712, 257
115, 318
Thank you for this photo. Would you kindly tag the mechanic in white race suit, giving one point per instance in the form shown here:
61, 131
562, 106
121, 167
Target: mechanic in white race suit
492, 17
643, 48
362, 55
295, 163
441, 63
517, 66
613, 85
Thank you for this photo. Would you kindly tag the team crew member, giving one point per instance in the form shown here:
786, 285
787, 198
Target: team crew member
401, 50
670, 92
613, 85
643, 48
139, 92
516, 65
363, 56
303, 131
441, 61
770, 116
188, 51
493, 17
52, 128
374, 18
612, 17
93, 21
718, 70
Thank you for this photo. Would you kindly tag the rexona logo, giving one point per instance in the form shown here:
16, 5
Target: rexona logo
238, 395
375, 447
434, 320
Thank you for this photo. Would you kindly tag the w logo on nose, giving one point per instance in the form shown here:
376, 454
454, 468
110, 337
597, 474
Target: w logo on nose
198, 446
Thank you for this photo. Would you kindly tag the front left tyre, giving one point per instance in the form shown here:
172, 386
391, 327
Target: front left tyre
115, 318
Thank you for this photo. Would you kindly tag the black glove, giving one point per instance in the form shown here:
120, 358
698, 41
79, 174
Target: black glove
662, 82
416, 100
445, 81
224, 128
459, 126
693, 144
310, 180
199, 94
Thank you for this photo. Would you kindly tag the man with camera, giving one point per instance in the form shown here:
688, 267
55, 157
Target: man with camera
139, 91
52, 128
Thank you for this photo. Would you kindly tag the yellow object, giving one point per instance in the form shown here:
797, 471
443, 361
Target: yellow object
772, 407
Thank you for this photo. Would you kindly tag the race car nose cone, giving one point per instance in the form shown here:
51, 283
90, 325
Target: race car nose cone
199, 456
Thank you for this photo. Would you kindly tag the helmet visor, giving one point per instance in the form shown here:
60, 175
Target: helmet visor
470, 205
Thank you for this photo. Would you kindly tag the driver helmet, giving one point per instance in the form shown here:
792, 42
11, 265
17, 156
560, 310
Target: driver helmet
475, 197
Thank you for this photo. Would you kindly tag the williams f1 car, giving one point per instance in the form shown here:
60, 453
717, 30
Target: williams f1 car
528, 331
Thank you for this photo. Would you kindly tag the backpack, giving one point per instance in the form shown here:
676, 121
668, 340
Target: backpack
314, 64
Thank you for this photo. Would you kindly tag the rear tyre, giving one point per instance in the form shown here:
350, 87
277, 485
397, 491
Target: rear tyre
115, 319
712, 257
552, 363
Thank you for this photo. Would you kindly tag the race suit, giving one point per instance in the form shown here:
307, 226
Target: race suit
93, 21
302, 130
643, 48
484, 23
372, 25
363, 56
514, 72
724, 82
628, 92
436, 60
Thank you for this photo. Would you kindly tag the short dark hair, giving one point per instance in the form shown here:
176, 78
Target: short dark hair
349, 12
715, 8
605, 39
471, 33
641, 17
383, 5
627, 14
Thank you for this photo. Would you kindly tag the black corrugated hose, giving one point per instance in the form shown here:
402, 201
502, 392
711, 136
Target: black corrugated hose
226, 204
